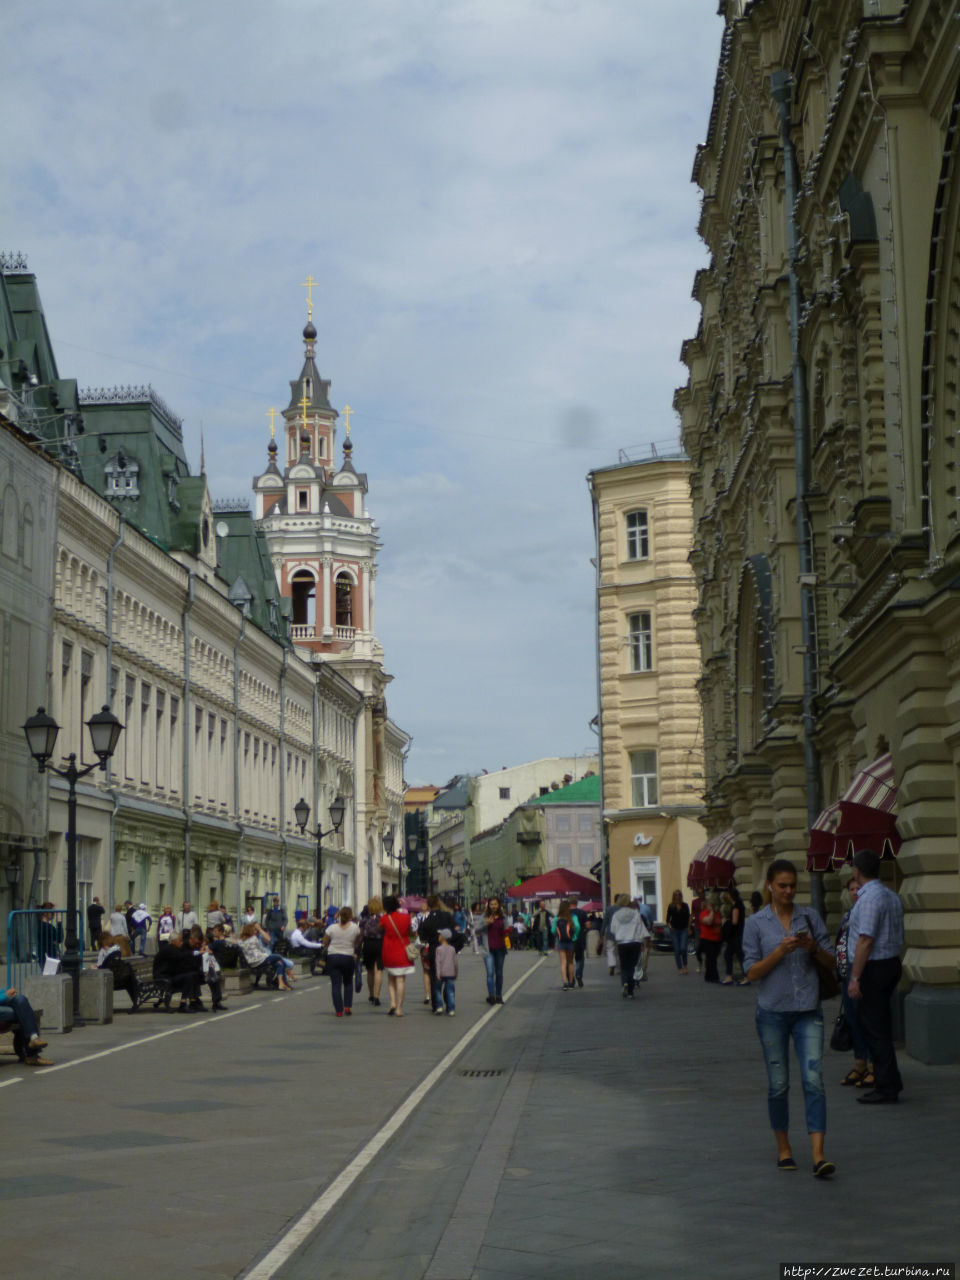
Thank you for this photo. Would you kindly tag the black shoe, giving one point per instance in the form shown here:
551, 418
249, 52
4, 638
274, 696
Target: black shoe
184, 1008
874, 1096
824, 1169
491, 1000
498, 1000
579, 982
198, 1006
376, 1001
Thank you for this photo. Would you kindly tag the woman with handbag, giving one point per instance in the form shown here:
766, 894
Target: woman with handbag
399, 951
785, 948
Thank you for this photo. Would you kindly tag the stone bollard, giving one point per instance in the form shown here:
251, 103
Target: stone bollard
96, 995
54, 994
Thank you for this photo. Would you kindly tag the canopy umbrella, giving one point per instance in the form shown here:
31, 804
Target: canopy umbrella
412, 903
560, 883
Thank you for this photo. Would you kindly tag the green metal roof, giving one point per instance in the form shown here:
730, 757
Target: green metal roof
586, 791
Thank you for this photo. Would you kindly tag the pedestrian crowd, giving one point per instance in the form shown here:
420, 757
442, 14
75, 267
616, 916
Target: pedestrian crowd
779, 947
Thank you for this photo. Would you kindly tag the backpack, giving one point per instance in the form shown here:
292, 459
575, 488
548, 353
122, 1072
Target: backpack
370, 928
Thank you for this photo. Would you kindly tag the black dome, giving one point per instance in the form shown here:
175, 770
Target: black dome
309, 331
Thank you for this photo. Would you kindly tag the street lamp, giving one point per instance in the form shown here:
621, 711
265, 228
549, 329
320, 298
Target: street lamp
388, 842
41, 733
301, 811
467, 869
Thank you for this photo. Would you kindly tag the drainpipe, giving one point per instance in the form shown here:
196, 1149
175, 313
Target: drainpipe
781, 88
236, 759
283, 784
315, 775
187, 717
604, 855
114, 793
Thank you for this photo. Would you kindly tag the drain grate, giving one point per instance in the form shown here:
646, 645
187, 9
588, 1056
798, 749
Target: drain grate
474, 1075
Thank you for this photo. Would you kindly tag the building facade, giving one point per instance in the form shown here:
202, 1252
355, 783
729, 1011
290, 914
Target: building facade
821, 419
648, 665
138, 591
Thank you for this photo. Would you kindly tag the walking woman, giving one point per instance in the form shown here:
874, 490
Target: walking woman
629, 932
494, 929
733, 922
566, 930
371, 949
678, 922
711, 933
343, 943
784, 945
395, 927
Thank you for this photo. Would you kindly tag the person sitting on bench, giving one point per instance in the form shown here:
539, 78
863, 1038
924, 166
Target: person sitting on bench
112, 956
176, 964
26, 1034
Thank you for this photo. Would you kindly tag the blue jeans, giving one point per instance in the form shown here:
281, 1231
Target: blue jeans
579, 959
775, 1031
852, 1010
494, 963
18, 1009
139, 937
340, 969
679, 939
448, 994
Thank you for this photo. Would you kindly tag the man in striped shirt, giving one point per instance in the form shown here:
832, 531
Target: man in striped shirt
875, 943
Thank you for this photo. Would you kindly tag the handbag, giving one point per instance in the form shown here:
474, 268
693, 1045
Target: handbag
411, 948
841, 1041
826, 979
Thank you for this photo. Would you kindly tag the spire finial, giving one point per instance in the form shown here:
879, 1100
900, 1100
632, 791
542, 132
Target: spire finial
271, 414
347, 411
203, 458
308, 284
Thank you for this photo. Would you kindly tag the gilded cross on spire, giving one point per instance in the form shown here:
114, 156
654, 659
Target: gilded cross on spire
309, 284
304, 406
347, 411
271, 414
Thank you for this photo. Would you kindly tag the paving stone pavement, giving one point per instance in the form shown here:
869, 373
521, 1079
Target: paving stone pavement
578, 1135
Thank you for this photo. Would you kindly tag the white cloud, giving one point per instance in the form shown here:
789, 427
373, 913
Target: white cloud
496, 197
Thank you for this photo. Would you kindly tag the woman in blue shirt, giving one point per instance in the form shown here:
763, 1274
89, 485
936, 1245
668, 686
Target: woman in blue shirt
783, 946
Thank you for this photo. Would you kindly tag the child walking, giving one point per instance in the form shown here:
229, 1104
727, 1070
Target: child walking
447, 967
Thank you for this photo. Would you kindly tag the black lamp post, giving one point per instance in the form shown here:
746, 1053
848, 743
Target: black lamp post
388, 841
467, 869
41, 732
301, 811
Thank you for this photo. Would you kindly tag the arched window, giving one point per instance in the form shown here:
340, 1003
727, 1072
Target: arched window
11, 523
304, 591
344, 600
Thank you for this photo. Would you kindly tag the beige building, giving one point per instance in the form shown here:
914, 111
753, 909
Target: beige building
821, 418
648, 663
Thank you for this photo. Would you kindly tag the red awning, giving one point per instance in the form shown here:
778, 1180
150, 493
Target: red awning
712, 866
863, 818
560, 883
823, 839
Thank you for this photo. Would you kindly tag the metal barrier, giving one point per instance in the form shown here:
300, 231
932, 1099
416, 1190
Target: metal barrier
31, 937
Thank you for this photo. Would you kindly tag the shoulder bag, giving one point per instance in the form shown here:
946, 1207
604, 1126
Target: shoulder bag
411, 947
827, 979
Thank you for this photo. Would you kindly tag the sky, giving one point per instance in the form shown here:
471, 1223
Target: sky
495, 196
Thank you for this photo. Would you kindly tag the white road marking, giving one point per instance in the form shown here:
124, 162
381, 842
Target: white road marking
132, 1044
15, 1080
293, 1238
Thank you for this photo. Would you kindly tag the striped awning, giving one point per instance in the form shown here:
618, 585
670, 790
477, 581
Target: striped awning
863, 818
712, 866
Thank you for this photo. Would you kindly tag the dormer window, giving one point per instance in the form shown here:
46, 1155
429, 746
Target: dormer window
122, 477
303, 500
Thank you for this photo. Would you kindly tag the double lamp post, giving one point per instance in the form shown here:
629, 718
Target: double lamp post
41, 732
301, 811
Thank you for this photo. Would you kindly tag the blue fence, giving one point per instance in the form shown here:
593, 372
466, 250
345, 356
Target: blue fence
31, 937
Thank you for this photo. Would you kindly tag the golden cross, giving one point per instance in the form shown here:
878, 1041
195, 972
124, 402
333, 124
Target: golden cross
346, 417
271, 414
308, 284
304, 405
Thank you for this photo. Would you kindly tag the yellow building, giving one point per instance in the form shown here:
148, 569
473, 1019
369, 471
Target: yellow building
648, 664
821, 416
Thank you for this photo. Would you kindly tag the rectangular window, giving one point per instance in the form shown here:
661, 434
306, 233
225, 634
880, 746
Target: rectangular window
86, 675
130, 691
638, 537
563, 822
641, 641
303, 500
504, 793
643, 778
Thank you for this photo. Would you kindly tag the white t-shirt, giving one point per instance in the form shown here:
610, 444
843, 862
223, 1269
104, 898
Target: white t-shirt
343, 938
